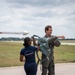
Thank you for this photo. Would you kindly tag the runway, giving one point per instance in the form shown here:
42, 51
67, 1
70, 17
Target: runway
67, 43
60, 69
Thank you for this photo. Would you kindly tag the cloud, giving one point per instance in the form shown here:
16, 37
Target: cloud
39, 3
34, 15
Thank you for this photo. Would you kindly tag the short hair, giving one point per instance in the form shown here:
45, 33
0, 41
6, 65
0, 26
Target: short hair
26, 40
47, 27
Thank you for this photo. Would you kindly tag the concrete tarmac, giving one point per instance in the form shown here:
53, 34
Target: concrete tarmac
60, 69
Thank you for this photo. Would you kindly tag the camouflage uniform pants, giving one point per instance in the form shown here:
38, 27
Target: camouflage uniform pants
48, 67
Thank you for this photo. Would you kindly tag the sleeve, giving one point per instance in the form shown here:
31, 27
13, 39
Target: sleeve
57, 43
21, 52
35, 48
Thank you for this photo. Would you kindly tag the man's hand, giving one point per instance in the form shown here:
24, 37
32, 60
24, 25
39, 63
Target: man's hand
34, 40
62, 37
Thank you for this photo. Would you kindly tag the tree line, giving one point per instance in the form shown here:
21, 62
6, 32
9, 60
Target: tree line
20, 39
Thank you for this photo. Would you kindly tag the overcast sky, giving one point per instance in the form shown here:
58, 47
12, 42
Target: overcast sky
34, 15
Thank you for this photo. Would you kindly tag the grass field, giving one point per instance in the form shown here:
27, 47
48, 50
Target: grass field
9, 54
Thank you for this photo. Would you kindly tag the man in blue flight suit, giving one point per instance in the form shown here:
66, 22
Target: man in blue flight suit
28, 52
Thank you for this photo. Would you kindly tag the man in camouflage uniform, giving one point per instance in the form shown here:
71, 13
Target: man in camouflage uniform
48, 65
48, 57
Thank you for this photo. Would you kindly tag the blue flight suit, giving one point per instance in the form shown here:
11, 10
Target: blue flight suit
30, 65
